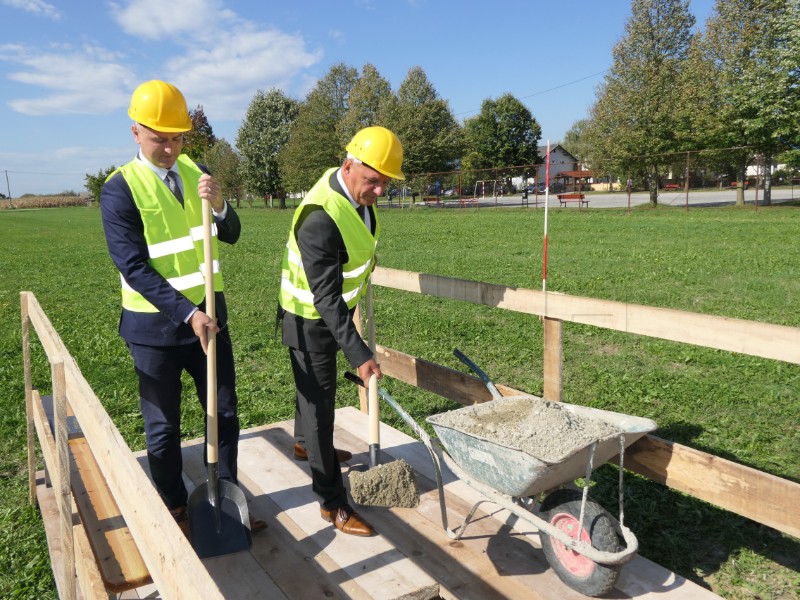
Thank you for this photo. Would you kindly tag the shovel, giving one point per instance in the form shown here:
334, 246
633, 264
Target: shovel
392, 484
218, 519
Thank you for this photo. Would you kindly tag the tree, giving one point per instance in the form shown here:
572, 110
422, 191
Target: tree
225, 164
365, 106
637, 115
260, 139
431, 137
201, 138
754, 48
314, 142
575, 140
94, 183
503, 134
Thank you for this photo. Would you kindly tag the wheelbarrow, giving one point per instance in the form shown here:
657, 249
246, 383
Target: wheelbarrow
580, 539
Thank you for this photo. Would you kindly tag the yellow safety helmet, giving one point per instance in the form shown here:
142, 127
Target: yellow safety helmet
161, 106
380, 149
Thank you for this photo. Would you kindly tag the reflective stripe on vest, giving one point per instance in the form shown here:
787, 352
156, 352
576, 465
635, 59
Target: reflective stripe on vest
174, 233
295, 295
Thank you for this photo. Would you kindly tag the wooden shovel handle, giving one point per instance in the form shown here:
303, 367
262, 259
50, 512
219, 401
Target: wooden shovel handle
211, 356
374, 415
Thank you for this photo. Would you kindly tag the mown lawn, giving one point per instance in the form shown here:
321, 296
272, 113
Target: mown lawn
741, 263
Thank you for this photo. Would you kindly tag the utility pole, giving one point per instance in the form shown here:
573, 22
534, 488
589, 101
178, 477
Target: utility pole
8, 187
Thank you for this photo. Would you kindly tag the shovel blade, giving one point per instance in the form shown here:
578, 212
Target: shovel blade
233, 533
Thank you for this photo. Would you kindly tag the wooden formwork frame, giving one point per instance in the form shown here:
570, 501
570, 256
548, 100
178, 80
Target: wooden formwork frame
173, 565
751, 493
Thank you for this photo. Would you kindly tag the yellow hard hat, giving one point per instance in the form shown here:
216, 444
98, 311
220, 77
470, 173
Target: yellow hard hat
380, 149
161, 106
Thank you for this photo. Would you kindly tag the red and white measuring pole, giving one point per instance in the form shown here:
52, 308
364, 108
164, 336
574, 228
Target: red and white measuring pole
546, 197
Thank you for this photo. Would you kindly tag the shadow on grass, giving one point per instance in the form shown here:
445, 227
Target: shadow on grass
691, 537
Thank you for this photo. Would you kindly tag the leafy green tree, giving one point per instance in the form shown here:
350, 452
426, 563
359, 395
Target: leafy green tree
315, 142
365, 106
94, 183
755, 51
432, 138
503, 134
225, 164
201, 138
637, 115
260, 139
575, 140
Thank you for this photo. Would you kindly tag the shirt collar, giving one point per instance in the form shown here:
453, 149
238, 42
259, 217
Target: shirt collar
344, 188
162, 173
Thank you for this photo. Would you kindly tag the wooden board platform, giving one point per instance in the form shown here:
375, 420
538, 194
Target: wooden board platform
301, 556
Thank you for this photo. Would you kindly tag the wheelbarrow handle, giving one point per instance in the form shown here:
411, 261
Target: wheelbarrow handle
484, 377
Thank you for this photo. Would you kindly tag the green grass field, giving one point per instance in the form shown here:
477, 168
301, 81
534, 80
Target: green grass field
741, 263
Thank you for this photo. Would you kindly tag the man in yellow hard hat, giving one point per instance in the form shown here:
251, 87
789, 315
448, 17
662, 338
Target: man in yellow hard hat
152, 210
328, 259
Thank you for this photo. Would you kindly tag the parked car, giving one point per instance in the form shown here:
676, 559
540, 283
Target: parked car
555, 188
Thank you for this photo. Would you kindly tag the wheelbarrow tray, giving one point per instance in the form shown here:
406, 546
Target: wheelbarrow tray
516, 472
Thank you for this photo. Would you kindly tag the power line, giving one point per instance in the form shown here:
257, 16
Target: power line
558, 87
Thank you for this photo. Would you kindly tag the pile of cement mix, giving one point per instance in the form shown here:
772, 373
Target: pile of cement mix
546, 430
390, 484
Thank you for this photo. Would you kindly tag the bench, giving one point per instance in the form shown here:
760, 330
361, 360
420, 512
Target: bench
563, 199
431, 200
735, 184
672, 186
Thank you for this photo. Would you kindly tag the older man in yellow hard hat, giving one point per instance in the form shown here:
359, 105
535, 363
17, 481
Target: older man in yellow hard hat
328, 259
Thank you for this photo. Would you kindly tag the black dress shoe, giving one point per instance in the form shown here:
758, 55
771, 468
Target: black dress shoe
301, 454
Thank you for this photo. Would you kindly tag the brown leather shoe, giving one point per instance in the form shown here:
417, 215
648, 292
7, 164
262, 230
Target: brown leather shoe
347, 521
181, 518
301, 454
257, 525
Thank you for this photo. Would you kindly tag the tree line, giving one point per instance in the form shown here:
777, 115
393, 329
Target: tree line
671, 90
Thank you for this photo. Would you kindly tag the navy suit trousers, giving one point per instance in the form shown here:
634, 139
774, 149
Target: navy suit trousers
159, 369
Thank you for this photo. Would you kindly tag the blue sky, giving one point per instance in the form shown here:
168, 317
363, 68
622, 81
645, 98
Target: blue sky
67, 69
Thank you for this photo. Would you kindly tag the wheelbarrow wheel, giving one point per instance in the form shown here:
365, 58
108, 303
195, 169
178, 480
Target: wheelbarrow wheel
562, 509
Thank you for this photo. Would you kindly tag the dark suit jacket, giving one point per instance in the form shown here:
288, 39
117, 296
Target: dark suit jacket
324, 254
124, 232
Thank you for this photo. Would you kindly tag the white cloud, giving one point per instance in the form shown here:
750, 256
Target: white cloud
224, 77
177, 20
36, 7
219, 66
79, 81
337, 36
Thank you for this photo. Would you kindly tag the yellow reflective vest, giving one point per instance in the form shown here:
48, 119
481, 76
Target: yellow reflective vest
174, 233
296, 296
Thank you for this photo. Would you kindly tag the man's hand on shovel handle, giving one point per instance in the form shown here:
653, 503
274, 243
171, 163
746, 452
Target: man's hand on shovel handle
365, 370
201, 323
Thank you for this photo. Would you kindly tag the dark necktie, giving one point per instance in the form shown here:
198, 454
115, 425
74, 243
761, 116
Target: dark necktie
362, 212
172, 184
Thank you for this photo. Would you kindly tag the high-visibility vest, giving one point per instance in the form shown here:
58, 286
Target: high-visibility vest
174, 233
295, 295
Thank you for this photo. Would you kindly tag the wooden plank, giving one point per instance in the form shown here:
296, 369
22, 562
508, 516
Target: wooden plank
29, 426
368, 562
89, 581
766, 340
641, 578
120, 563
553, 360
754, 494
62, 481
46, 499
170, 559
449, 383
